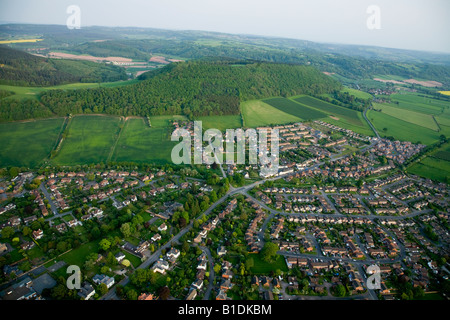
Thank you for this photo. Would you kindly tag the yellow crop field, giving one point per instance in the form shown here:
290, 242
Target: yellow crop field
19, 41
447, 93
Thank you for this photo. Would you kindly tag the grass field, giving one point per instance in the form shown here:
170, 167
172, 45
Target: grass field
221, 122
414, 102
426, 112
339, 116
401, 130
296, 109
435, 166
89, 140
257, 113
349, 115
262, 267
164, 121
443, 155
28, 143
33, 92
418, 118
357, 93
343, 123
140, 143
432, 168
78, 256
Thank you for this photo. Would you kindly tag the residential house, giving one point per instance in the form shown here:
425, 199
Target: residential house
101, 278
86, 291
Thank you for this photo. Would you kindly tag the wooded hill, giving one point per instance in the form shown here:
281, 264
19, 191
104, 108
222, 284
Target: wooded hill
194, 88
23, 69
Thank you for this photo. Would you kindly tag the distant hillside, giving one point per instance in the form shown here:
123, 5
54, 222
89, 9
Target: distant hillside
355, 62
23, 69
352, 62
195, 88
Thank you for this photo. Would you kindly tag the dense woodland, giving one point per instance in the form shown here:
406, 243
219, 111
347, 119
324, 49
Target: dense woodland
195, 88
23, 69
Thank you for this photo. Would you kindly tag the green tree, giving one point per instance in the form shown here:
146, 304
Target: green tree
340, 290
7, 232
102, 289
126, 230
132, 294
249, 263
269, 251
105, 244
13, 172
26, 231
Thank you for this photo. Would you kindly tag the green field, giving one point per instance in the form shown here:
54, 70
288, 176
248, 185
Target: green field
435, 166
339, 116
443, 155
387, 125
33, 92
432, 168
444, 121
349, 115
418, 116
164, 121
221, 122
28, 143
140, 143
256, 113
342, 123
420, 119
262, 267
357, 93
89, 140
296, 109
420, 103
79, 255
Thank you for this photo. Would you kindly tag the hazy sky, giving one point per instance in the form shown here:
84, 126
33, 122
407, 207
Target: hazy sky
406, 24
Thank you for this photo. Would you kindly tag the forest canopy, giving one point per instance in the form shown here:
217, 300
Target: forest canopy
194, 88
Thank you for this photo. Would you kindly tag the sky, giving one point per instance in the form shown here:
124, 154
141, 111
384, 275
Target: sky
406, 24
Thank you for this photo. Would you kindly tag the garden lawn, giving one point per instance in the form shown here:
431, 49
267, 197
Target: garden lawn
262, 267
78, 256
135, 261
